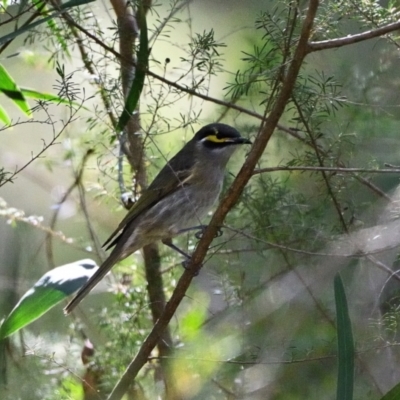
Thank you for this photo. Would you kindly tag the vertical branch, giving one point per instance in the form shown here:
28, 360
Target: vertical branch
132, 145
130, 140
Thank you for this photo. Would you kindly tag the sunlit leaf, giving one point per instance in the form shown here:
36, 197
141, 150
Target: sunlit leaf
345, 380
12, 91
48, 291
4, 116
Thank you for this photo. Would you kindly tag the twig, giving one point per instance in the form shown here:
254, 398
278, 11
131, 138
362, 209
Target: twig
36, 14
373, 187
88, 63
319, 154
49, 236
351, 39
13, 214
279, 362
174, 10
46, 146
230, 395
94, 238
271, 245
329, 169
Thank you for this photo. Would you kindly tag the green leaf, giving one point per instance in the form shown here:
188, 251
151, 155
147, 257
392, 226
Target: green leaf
140, 73
11, 90
48, 291
393, 393
345, 381
4, 116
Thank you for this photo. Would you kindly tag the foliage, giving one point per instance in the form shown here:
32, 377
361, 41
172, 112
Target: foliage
47, 292
258, 322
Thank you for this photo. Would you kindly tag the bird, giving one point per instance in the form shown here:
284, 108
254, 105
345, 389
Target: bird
185, 189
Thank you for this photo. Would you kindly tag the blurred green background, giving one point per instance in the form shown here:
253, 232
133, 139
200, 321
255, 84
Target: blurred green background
259, 321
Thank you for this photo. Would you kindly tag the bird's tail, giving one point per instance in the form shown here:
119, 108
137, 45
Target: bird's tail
93, 281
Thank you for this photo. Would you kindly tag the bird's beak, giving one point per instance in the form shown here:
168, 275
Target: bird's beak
242, 140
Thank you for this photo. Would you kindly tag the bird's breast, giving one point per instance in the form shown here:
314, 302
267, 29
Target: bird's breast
183, 208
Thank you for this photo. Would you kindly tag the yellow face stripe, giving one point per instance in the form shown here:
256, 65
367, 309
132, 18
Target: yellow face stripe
215, 139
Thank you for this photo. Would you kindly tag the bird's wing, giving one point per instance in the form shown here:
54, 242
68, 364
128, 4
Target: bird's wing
168, 180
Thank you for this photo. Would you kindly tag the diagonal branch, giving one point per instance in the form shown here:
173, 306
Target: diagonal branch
360, 37
225, 206
328, 169
319, 153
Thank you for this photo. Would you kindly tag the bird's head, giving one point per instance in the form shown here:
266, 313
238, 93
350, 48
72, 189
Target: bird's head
218, 140
219, 136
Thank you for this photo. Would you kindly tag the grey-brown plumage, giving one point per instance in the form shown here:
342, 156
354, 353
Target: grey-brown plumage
183, 192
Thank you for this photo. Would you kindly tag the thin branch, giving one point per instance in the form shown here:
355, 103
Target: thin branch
319, 155
35, 15
370, 19
93, 236
174, 10
329, 169
280, 362
12, 214
271, 245
382, 266
360, 37
373, 187
230, 395
49, 236
89, 65
46, 146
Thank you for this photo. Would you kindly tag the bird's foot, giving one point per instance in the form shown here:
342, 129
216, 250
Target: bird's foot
202, 228
200, 233
185, 265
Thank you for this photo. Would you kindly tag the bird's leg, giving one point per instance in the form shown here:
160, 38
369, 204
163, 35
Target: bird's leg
200, 233
192, 228
168, 242
201, 228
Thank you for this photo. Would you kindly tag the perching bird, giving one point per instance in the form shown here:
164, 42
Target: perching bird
183, 191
